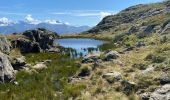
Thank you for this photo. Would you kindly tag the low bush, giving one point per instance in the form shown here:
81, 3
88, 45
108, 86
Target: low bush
155, 58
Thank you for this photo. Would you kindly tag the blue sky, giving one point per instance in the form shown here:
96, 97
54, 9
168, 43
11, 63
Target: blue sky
75, 12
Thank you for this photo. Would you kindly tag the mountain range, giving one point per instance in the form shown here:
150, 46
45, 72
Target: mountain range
7, 26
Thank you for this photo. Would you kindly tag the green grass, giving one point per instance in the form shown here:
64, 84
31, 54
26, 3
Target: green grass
44, 84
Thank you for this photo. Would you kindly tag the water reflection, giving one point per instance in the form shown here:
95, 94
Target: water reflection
80, 47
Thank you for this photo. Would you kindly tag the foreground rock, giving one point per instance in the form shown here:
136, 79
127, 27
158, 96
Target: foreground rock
112, 76
165, 79
7, 73
91, 58
111, 55
26, 45
161, 94
41, 65
35, 41
4, 45
18, 63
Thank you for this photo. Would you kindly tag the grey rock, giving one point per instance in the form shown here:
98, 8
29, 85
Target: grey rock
18, 63
165, 79
43, 37
25, 45
54, 50
37, 40
110, 55
7, 73
166, 27
39, 66
95, 57
148, 70
152, 12
4, 45
162, 93
140, 44
128, 86
113, 75
145, 96
132, 30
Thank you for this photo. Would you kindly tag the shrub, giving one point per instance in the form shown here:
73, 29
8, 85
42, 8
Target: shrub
84, 71
163, 47
155, 58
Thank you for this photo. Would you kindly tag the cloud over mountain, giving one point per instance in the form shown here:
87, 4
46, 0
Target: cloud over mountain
9, 26
5, 21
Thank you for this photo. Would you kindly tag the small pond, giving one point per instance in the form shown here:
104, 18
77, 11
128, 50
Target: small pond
81, 46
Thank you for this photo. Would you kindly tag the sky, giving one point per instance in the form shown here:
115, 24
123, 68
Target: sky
73, 12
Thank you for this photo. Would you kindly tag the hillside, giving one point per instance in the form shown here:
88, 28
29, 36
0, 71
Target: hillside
138, 65
139, 19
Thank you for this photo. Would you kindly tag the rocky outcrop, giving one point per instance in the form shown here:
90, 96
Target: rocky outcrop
7, 73
36, 41
101, 56
128, 16
165, 27
4, 45
26, 45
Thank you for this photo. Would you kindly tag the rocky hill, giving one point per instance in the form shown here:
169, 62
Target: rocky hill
142, 19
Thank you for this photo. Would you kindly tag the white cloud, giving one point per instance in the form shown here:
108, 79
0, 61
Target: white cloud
67, 23
104, 14
86, 13
5, 21
53, 22
31, 20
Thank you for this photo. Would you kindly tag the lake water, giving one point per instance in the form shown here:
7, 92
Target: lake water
80, 47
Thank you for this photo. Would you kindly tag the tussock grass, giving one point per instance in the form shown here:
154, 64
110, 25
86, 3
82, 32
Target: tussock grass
45, 84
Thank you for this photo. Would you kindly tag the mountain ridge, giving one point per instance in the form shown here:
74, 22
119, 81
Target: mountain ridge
8, 27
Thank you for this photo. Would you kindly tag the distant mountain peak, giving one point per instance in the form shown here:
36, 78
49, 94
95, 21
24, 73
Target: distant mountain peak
7, 26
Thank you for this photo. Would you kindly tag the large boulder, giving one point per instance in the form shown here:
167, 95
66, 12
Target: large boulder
4, 45
7, 73
37, 40
162, 93
25, 45
43, 37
